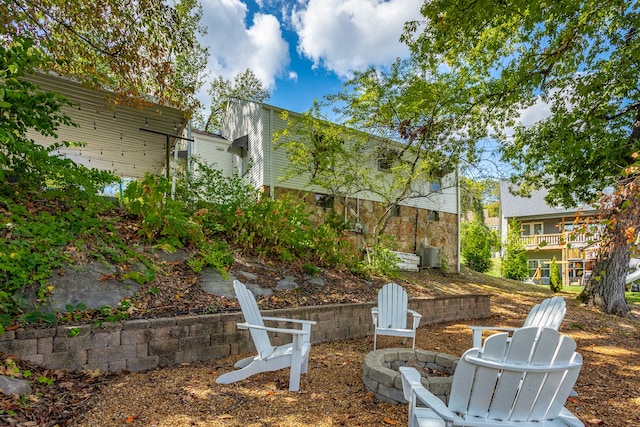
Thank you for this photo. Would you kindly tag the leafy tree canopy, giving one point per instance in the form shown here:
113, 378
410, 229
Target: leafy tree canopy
136, 48
23, 107
245, 86
581, 58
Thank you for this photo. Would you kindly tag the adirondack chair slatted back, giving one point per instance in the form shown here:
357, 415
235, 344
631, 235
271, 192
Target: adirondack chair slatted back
252, 315
530, 383
392, 306
549, 313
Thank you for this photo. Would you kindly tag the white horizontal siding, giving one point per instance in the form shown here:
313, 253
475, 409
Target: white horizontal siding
280, 158
245, 118
213, 151
270, 164
114, 136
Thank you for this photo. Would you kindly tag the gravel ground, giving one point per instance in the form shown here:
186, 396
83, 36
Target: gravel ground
332, 393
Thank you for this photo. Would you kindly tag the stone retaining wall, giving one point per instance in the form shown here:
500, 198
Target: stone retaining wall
139, 345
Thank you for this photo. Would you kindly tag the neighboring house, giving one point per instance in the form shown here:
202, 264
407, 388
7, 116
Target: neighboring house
126, 140
427, 224
548, 232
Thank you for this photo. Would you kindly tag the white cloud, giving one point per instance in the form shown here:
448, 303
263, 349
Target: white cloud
532, 115
344, 35
235, 44
293, 76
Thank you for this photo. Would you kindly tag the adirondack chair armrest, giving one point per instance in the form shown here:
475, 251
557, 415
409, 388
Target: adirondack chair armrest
283, 319
426, 397
270, 329
416, 317
519, 367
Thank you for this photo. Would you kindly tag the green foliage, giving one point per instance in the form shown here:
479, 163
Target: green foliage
218, 196
38, 316
113, 314
274, 228
24, 107
9, 368
379, 260
151, 48
310, 269
555, 280
245, 86
514, 264
579, 61
475, 195
147, 275
164, 220
477, 241
214, 254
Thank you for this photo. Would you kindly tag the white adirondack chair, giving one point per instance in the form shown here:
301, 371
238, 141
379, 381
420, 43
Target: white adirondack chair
391, 315
549, 313
294, 355
528, 386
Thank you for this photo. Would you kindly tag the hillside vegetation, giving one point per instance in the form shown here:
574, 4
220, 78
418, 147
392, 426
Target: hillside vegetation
212, 220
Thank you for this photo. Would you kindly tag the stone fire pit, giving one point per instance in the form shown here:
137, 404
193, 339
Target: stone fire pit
382, 377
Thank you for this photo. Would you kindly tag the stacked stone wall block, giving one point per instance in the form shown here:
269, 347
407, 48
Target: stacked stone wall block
144, 344
117, 366
70, 360
45, 345
360, 331
136, 336
142, 363
389, 394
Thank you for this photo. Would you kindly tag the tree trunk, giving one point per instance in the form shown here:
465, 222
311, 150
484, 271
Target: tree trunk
606, 287
620, 215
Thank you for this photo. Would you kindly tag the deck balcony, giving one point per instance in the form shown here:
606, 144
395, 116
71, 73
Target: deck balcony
555, 241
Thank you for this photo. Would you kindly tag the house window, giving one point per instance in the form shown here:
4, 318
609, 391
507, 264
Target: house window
531, 228
395, 211
325, 201
436, 186
433, 215
387, 158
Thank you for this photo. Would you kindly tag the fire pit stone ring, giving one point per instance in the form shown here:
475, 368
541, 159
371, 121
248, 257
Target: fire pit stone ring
382, 377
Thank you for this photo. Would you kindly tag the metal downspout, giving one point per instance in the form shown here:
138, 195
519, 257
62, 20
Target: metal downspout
271, 186
175, 167
458, 212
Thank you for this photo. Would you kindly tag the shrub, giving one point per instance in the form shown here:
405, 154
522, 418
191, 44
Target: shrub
477, 241
514, 264
164, 220
379, 260
555, 279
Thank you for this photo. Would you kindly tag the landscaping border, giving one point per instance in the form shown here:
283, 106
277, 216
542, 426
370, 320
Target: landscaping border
143, 344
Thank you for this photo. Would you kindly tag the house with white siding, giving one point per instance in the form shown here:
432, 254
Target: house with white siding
426, 226
128, 140
211, 148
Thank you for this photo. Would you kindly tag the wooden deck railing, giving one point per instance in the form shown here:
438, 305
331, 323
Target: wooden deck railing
555, 240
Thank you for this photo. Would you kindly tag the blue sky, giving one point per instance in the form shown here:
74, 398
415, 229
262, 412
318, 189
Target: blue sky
302, 50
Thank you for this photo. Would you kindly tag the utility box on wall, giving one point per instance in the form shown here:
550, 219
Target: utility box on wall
430, 257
